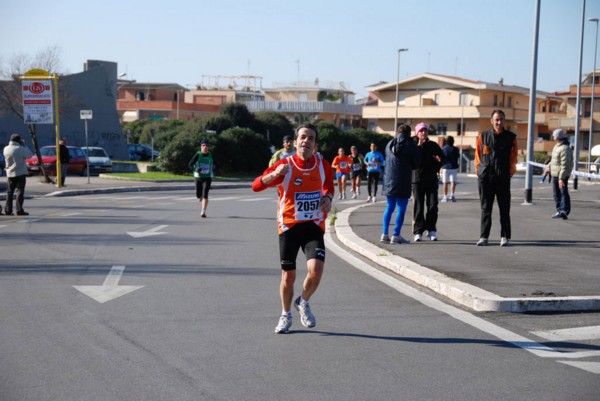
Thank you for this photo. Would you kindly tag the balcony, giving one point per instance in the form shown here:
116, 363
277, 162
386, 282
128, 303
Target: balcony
305, 107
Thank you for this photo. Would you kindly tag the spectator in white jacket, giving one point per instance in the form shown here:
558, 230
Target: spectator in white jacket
15, 154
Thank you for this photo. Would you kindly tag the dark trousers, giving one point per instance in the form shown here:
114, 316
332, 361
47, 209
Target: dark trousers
425, 207
500, 190
372, 180
15, 185
202, 187
562, 199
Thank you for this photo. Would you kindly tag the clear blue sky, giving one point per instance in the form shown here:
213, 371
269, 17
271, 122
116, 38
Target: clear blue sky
353, 41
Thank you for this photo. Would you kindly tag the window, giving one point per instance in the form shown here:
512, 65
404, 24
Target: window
401, 99
495, 100
372, 125
509, 103
442, 128
459, 129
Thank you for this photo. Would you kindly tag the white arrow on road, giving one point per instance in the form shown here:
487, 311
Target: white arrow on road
148, 233
110, 289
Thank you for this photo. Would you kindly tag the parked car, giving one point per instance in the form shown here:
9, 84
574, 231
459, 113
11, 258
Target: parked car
77, 164
139, 152
98, 160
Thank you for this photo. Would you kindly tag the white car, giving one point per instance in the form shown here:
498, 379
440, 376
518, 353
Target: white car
99, 160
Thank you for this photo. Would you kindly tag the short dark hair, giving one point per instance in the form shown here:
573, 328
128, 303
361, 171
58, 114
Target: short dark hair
404, 129
450, 140
499, 112
307, 125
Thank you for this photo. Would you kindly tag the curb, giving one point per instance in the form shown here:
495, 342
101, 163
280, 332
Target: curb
468, 295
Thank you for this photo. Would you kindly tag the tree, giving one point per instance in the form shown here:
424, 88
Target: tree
11, 97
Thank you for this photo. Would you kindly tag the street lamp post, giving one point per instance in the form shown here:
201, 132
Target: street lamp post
397, 81
590, 142
578, 102
462, 129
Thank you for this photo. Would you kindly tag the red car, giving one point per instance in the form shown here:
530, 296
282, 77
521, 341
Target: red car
77, 164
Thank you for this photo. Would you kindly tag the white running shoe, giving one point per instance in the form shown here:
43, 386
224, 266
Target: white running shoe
432, 235
343, 195
374, 199
504, 241
353, 195
368, 199
283, 327
444, 199
417, 238
306, 316
482, 242
399, 240
385, 238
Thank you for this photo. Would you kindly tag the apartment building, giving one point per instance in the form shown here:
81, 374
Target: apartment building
459, 107
306, 101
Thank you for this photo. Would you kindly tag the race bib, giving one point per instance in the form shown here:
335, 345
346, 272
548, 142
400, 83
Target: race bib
306, 205
343, 164
204, 169
356, 167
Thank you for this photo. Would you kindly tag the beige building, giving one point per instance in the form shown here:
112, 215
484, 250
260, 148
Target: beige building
304, 101
568, 121
449, 103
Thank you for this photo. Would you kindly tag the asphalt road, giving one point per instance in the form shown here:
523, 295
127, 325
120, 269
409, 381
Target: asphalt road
197, 322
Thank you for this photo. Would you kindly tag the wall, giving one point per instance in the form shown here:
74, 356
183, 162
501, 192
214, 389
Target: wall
93, 89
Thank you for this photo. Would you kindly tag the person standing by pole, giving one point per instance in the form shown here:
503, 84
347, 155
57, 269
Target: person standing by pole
495, 163
15, 155
561, 166
65, 158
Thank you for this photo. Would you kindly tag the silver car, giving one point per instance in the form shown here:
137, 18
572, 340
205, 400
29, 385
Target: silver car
99, 160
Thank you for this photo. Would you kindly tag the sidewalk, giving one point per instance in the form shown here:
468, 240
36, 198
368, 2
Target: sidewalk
551, 265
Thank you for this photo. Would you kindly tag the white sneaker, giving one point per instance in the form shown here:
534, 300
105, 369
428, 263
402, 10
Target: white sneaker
399, 240
374, 199
432, 235
368, 199
385, 238
353, 195
482, 242
444, 199
417, 238
306, 316
283, 327
343, 195
504, 241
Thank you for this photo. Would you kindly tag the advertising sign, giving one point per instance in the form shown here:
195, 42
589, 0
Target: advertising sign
37, 102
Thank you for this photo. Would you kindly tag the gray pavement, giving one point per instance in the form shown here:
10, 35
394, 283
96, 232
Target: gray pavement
551, 265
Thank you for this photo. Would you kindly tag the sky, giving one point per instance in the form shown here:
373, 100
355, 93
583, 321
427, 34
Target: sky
350, 41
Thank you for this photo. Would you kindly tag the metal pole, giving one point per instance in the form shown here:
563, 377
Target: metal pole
56, 116
532, 98
462, 130
87, 156
396, 100
578, 105
591, 134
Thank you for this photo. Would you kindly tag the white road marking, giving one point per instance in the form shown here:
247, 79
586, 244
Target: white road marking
257, 199
148, 233
570, 334
478, 323
593, 367
110, 289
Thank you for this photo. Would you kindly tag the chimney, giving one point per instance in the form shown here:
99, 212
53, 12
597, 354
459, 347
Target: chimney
501, 82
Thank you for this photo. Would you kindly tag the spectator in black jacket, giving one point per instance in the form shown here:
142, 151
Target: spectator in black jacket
425, 185
402, 157
450, 169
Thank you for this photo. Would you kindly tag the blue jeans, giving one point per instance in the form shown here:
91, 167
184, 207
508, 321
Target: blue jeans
562, 199
392, 202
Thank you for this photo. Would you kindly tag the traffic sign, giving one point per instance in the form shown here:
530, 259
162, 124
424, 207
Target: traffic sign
85, 114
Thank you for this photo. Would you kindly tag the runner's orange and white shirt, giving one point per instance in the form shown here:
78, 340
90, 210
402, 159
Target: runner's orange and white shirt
342, 163
300, 195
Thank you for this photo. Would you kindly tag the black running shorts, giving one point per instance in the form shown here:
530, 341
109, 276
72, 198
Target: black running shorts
307, 236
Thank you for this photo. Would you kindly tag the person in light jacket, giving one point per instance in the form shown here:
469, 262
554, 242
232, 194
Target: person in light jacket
15, 155
561, 166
